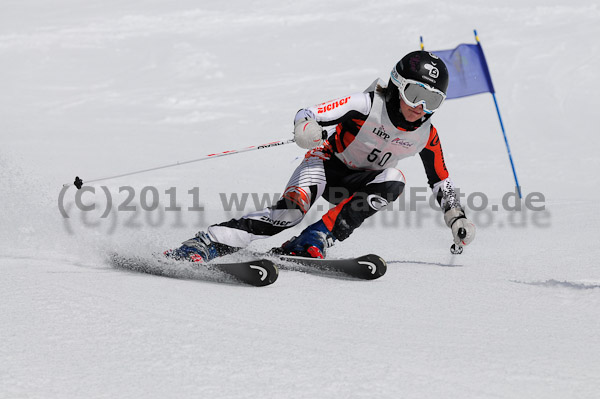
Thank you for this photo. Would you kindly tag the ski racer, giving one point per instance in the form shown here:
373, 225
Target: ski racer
354, 144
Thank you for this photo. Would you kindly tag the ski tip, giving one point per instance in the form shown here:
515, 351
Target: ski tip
267, 272
376, 266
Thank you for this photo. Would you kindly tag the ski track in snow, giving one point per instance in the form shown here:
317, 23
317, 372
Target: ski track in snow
424, 263
561, 284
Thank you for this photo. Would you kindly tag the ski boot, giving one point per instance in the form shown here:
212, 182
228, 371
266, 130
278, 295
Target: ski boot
200, 248
311, 243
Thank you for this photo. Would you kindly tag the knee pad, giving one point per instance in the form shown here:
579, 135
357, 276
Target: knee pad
295, 197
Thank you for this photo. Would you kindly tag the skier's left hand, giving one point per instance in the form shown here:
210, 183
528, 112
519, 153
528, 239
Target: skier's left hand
463, 230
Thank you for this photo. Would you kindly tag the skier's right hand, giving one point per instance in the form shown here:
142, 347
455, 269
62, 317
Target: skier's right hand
308, 133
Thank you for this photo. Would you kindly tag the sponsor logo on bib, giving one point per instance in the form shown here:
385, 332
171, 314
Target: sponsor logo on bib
380, 131
401, 142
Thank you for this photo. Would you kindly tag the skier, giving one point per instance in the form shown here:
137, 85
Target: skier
354, 144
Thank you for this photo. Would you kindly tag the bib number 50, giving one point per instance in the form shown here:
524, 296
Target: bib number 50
374, 157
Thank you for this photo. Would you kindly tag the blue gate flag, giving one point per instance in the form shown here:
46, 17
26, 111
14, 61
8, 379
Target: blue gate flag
468, 70
469, 74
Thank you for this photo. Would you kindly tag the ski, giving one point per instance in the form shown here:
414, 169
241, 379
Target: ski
257, 272
366, 267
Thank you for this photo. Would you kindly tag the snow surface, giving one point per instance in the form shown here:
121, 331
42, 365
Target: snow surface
99, 88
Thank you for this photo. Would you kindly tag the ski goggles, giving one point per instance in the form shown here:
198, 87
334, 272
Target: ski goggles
416, 93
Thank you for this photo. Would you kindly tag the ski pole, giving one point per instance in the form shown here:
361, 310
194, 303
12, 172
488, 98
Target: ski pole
79, 182
457, 249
